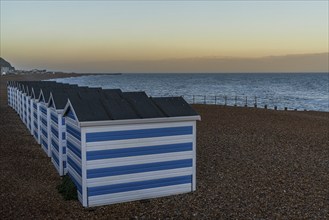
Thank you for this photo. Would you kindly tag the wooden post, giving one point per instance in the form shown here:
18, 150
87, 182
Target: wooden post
275, 108
225, 97
246, 104
215, 100
204, 101
285, 108
236, 99
265, 106
255, 102
193, 99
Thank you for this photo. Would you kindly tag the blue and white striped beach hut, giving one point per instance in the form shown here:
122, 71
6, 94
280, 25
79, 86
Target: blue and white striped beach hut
127, 146
56, 105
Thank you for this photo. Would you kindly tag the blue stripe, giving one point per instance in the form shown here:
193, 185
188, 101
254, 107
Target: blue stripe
54, 156
146, 184
43, 110
75, 166
44, 133
76, 183
35, 115
64, 150
44, 121
73, 148
34, 105
54, 118
142, 133
35, 125
75, 133
139, 168
63, 135
137, 151
70, 114
63, 121
54, 131
54, 144
44, 143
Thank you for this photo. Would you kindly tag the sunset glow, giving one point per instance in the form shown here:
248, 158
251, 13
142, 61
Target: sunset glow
88, 35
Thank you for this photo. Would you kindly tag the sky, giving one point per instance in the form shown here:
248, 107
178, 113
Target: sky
152, 36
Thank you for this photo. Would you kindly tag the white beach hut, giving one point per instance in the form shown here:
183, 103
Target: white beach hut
127, 146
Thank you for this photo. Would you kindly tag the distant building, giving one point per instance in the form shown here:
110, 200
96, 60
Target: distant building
5, 67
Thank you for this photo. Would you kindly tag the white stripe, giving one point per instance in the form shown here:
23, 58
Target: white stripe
135, 177
139, 194
136, 126
73, 140
73, 157
76, 176
55, 165
138, 142
153, 158
53, 137
54, 149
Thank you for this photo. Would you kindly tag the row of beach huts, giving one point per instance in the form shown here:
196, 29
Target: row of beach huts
115, 146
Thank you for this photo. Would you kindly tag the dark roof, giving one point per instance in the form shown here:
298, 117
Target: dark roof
143, 106
174, 106
96, 104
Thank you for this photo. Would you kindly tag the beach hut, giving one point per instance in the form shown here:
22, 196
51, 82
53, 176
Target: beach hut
126, 146
56, 105
9, 93
29, 105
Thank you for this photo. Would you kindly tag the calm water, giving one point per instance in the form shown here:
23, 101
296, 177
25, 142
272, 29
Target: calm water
302, 91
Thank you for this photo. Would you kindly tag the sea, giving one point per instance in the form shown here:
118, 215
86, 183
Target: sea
301, 91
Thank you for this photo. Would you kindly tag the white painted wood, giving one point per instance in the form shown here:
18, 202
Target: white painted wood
194, 157
84, 168
138, 194
135, 160
139, 177
138, 142
127, 127
139, 121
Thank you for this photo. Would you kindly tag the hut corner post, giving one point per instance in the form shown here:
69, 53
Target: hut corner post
49, 132
84, 167
194, 157
39, 123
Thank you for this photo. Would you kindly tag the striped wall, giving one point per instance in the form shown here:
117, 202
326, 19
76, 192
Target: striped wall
45, 128
114, 163
58, 141
36, 120
28, 112
73, 152
132, 162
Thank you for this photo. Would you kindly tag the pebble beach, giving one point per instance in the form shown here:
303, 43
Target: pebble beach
251, 164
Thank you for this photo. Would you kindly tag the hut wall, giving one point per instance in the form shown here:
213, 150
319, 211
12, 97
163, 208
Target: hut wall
123, 163
45, 128
24, 107
36, 121
9, 94
74, 153
58, 141
28, 112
